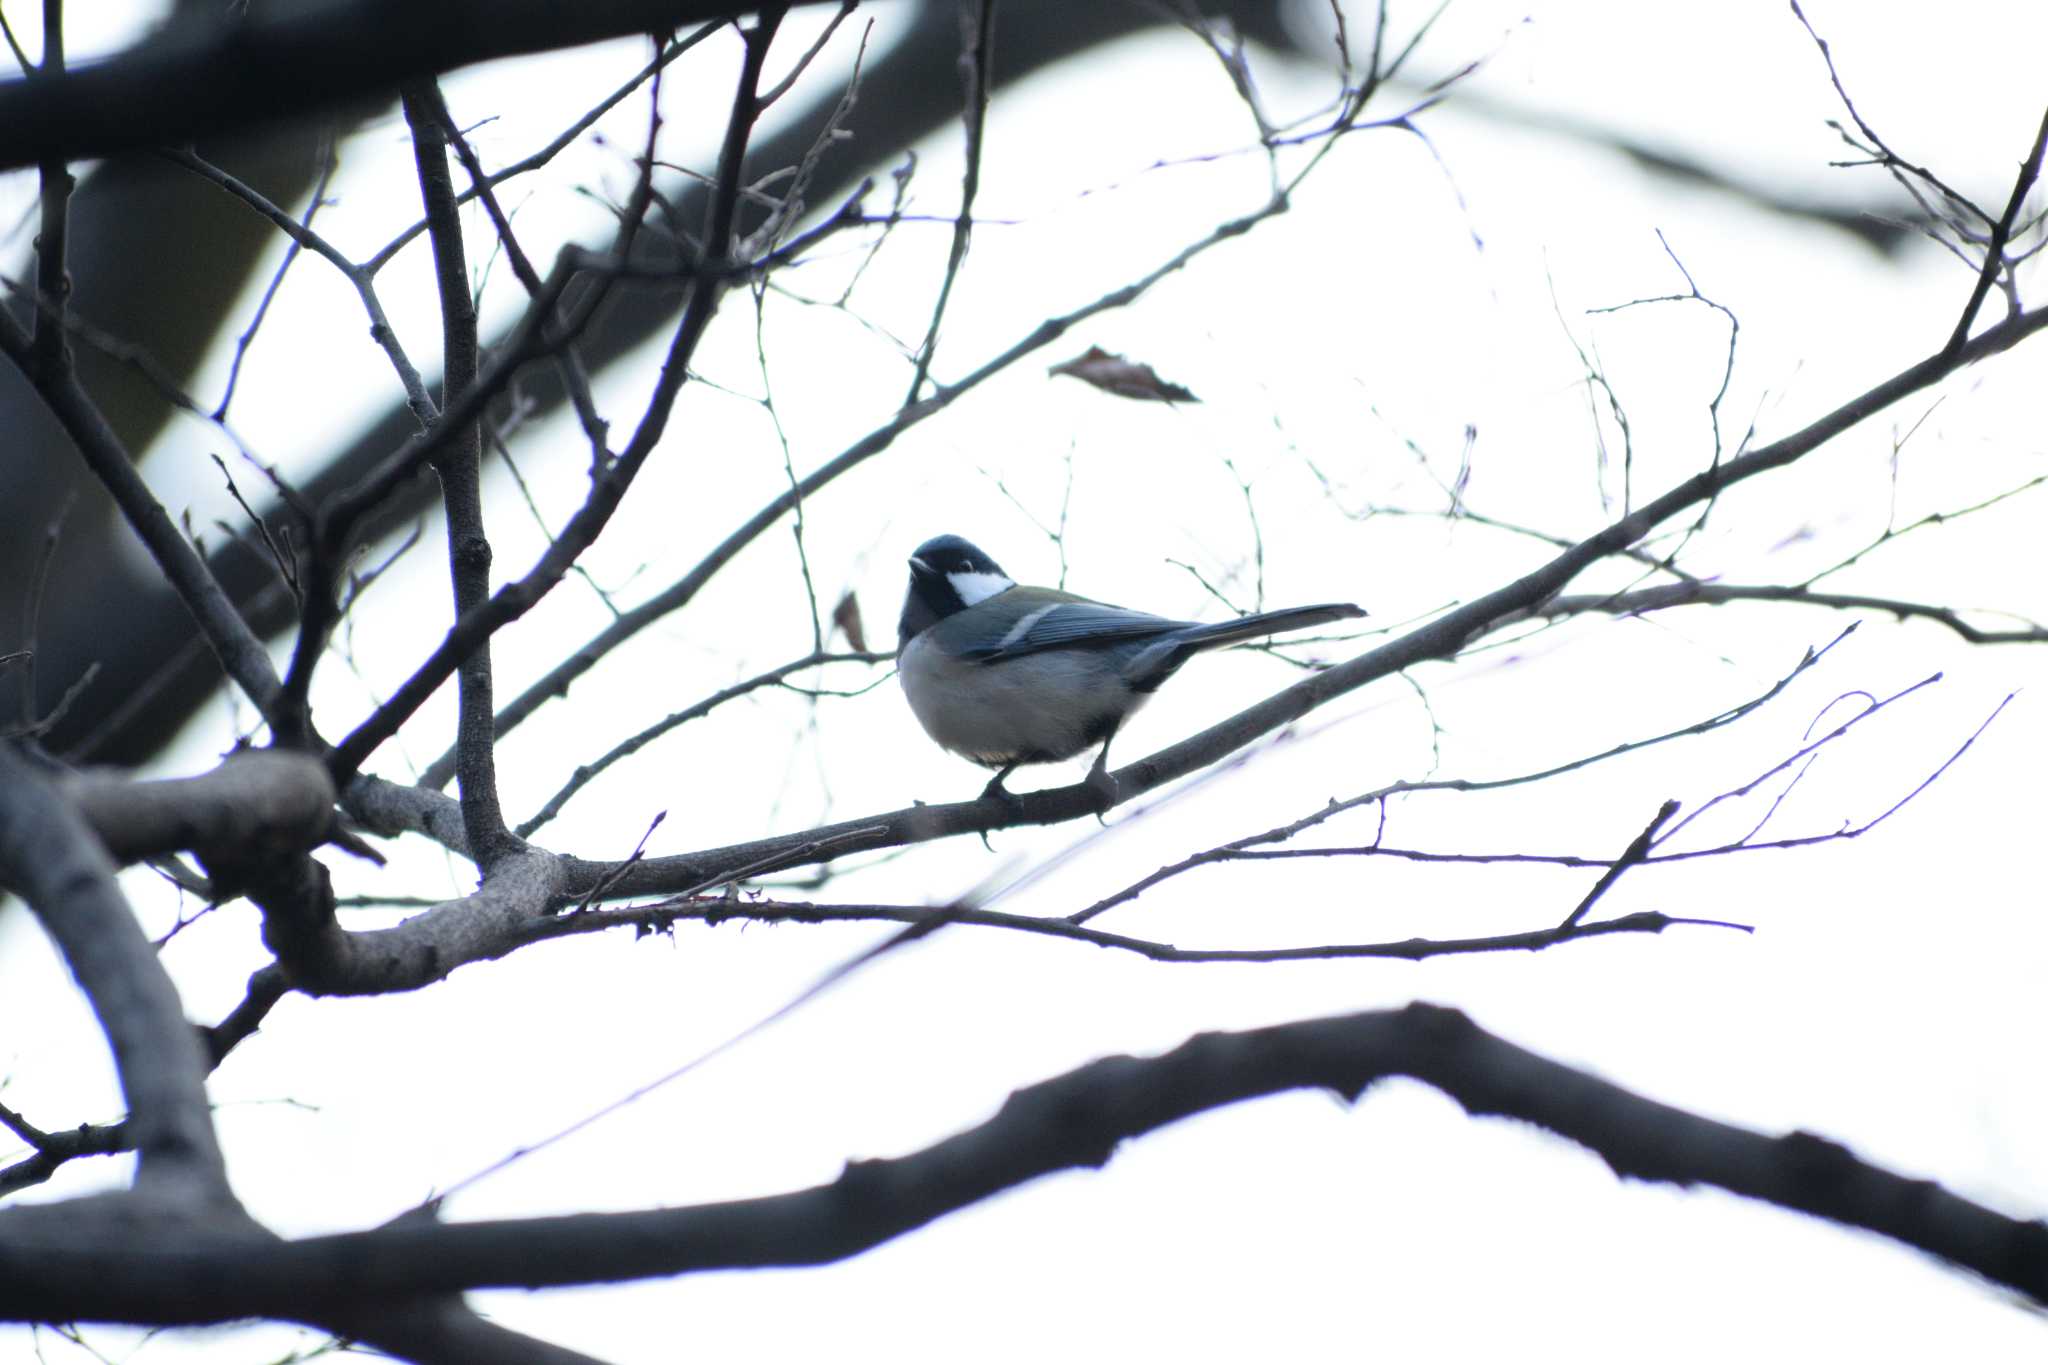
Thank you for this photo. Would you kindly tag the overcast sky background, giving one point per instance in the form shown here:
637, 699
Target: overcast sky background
1889, 999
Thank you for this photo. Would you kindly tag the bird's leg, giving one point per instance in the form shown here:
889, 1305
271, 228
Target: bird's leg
995, 790
1100, 780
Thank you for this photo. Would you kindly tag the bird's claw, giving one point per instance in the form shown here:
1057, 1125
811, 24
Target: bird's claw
1102, 782
1009, 801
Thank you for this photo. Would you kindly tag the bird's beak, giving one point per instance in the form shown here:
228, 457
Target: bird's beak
919, 566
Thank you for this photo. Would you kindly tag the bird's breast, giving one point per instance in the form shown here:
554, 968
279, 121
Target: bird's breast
1038, 708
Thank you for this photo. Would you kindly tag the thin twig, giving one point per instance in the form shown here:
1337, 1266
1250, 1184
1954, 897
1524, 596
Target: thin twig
2001, 233
586, 773
608, 485
1379, 796
977, 59
1630, 856
716, 911
330, 163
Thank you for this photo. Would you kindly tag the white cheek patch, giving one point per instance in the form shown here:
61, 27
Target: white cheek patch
975, 588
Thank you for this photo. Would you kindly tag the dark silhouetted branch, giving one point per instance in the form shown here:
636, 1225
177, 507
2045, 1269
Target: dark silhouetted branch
1074, 1121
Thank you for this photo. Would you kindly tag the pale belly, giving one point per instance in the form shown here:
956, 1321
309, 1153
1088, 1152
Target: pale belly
1038, 709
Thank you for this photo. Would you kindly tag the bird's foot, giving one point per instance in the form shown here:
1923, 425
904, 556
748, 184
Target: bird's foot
1102, 782
1009, 801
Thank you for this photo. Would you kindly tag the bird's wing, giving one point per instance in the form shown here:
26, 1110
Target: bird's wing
1065, 625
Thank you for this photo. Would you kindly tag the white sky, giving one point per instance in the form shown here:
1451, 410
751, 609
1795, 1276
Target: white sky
1890, 998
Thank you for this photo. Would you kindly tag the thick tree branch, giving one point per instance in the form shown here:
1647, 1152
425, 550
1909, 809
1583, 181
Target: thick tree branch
255, 804
269, 61
1074, 1121
446, 1331
49, 855
320, 957
391, 809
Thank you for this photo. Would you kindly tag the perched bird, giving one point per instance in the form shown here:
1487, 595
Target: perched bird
1005, 675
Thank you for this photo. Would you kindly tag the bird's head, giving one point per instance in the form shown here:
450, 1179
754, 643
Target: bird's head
947, 574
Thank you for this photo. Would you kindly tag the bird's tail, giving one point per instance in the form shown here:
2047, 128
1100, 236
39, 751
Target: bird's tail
1262, 624
1163, 658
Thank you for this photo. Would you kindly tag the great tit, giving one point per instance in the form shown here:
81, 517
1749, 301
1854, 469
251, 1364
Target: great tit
1005, 675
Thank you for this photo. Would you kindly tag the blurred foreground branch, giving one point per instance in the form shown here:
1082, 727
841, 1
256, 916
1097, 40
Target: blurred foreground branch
189, 1275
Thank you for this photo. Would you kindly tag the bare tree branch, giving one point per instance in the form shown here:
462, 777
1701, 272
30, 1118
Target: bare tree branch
255, 803
977, 61
1995, 262
417, 399
658, 916
1631, 856
460, 467
1645, 600
662, 59
446, 1331
587, 773
1440, 638
241, 655
49, 854
608, 484
1074, 1121
260, 63
672, 598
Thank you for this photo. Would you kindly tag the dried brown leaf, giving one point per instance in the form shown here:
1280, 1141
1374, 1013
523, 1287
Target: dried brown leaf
846, 620
1124, 378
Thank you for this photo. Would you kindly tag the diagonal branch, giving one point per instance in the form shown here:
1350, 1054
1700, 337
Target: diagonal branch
1437, 639
417, 400
241, 655
587, 773
557, 681
1995, 263
1632, 856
